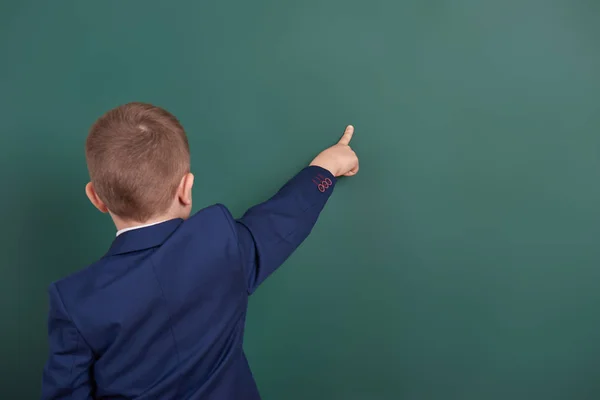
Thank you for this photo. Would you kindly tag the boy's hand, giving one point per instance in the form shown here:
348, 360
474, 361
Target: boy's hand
339, 159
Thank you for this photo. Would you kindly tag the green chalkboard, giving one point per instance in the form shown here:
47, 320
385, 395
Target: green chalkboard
462, 262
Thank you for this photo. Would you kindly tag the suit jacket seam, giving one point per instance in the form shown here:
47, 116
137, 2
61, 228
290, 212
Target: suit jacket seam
237, 242
162, 293
281, 239
71, 320
287, 235
78, 336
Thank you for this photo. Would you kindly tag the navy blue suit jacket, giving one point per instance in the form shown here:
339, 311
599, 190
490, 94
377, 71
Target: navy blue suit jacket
162, 314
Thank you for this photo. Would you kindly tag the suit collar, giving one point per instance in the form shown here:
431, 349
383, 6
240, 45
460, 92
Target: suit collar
144, 238
121, 231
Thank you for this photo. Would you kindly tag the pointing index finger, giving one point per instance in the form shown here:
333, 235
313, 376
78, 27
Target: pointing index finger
347, 136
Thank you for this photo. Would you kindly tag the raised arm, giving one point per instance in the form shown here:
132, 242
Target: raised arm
270, 232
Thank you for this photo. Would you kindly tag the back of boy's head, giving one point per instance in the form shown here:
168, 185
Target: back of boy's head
137, 155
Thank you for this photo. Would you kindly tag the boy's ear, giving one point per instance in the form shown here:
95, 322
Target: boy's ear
185, 189
94, 199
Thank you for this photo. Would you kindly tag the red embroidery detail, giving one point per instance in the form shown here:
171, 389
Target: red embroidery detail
324, 184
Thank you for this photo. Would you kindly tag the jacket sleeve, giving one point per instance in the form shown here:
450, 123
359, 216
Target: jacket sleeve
269, 233
67, 374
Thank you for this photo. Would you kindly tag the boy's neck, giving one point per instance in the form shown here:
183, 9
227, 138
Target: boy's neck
125, 225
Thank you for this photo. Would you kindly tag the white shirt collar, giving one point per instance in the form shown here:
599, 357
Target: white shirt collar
139, 227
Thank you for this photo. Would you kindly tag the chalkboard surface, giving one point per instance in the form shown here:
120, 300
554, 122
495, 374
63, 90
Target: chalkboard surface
462, 262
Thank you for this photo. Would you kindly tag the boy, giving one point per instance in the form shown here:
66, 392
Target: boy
161, 315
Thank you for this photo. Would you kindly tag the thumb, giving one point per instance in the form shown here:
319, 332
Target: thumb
347, 136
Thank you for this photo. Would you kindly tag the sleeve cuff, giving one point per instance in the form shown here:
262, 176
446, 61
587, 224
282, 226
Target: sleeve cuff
317, 183
322, 176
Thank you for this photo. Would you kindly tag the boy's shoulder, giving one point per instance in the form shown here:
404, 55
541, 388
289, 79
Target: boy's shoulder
209, 221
